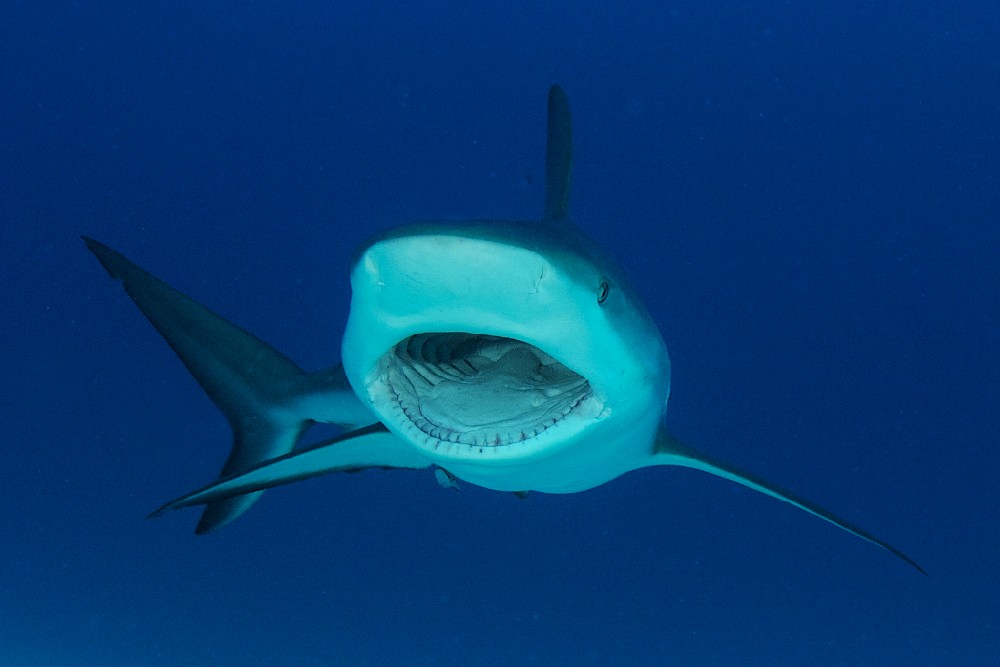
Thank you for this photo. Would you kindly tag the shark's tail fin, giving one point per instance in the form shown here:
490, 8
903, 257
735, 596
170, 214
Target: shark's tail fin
268, 400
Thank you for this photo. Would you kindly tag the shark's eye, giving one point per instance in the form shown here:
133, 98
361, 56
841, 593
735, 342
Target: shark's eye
602, 290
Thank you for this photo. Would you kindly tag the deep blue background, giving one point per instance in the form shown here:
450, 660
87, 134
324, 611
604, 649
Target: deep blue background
806, 194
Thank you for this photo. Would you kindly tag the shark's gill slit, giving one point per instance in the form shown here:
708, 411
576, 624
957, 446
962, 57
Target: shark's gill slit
478, 390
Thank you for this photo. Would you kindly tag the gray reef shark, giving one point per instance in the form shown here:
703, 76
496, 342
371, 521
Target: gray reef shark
511, 355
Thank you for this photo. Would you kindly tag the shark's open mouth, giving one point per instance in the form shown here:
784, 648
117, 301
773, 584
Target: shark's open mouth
481, 391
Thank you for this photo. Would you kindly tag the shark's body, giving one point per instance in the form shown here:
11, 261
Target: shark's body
511, 355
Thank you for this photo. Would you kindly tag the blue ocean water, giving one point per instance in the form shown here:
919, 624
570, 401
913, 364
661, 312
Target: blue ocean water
805, 194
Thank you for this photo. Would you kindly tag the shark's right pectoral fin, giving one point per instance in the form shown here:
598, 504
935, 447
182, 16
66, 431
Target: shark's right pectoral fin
369, 447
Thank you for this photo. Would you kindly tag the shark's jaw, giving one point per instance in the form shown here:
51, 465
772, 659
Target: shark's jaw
469, 395
500, 345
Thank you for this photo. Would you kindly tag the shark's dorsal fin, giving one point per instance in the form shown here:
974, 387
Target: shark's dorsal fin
558, 156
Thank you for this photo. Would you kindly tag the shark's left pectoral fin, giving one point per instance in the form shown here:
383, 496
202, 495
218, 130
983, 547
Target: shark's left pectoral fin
668, 450
369, 447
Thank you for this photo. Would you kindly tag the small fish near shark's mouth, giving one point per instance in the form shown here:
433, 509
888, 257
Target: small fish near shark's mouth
484, 392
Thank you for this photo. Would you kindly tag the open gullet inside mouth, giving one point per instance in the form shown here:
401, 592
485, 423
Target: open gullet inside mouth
478, 390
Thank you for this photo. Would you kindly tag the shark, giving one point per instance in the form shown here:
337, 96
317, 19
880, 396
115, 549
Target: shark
512, 355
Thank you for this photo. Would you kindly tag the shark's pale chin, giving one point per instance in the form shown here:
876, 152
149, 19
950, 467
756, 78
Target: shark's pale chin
476, 390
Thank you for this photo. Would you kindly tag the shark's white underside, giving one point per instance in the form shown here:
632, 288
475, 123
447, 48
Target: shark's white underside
511, 355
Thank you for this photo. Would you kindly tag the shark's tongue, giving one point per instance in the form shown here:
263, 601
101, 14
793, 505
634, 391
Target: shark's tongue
480, 390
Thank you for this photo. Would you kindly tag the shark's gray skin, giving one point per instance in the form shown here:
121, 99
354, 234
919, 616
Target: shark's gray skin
512, 355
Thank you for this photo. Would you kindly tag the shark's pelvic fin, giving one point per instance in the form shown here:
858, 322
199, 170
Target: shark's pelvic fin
368, 447
558, 156
267, 399
668, 450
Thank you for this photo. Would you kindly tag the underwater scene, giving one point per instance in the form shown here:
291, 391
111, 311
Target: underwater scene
482, 333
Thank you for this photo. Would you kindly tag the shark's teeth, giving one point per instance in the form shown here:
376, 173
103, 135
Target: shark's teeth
482, 392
